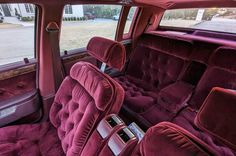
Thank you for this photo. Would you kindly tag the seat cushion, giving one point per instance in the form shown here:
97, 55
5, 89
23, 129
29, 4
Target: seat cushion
139, 96
185, 119
27, 140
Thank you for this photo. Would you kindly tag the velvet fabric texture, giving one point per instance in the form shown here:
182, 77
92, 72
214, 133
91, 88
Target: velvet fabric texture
17, 86
108, 51
148, 102
221, 72
167, 139
28, 140
185, 119
84, 97
155, 63
81, 102
217, 115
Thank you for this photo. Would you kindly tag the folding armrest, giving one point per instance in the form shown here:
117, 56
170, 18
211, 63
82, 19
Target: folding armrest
175, 96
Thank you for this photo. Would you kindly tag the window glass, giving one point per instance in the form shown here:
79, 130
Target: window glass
213, 19
17, 32
87, 21
129, 19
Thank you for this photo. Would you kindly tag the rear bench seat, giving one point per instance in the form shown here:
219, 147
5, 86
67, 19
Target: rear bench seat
143, 95
155, 63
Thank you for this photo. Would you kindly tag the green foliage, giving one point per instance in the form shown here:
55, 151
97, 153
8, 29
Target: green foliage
74, 19
27, 19
102, 11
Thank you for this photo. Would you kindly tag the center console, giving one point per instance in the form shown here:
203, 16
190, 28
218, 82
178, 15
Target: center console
113, 138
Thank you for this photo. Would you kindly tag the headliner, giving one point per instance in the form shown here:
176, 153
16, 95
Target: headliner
165, 4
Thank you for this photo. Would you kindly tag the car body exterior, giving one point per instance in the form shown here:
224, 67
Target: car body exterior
89, 16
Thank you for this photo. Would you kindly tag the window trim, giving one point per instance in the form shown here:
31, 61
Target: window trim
132, 20
33, 60
129, 34
75, 51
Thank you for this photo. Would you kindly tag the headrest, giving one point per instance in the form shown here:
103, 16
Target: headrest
94, 82
224, 57
217, 115
108, 51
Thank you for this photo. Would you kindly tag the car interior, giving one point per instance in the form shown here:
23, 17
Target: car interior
117, 77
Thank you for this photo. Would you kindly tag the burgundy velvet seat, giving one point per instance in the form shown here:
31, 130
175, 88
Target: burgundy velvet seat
221, 72
84, 97
155, 63
167, 139
216, 119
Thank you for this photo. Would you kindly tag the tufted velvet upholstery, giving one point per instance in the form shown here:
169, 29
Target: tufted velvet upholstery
186, 120
28, 140
221, 72
84, 97
108, 51
156, 62
144, 90
17, 86
167, 139
218, 74
217, 114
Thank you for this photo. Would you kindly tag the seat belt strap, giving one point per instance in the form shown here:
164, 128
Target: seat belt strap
103, 67
58, 71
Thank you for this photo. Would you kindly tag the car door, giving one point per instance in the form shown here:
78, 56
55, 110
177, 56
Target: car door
19, 96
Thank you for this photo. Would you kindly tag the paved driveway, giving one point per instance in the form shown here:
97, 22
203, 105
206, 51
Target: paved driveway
16, 44
218, 25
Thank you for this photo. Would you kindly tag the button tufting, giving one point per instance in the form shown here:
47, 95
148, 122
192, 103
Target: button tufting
65, 115
75, 106
70, 126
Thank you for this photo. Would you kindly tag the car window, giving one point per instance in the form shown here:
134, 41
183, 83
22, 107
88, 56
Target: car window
213, 19
130, 19
82, 22
17, 25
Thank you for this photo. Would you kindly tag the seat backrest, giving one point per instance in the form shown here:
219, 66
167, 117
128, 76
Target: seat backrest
158, 60
217, 117
221, 72
167, 139
84, 97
